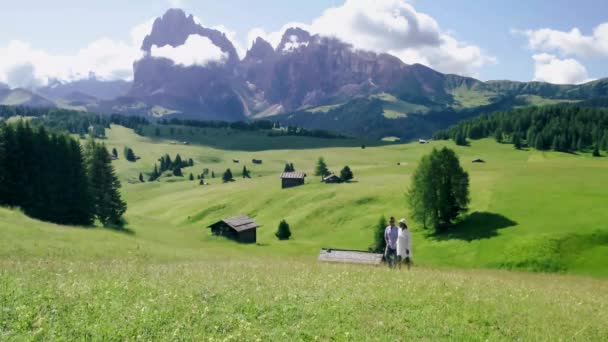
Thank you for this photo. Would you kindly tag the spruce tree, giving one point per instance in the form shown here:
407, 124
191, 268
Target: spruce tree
191, 177
291, 167
287, 168
346, 174
517, 141
212, 174
246, 173
227, 177
283, 231
321, 169
379, 242
178, 161
141, 178
177, 172
105, 188
596, 151
115, 153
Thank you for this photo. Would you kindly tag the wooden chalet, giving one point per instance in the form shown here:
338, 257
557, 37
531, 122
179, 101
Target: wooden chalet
332, 179
240, 228
291, 179
350, 256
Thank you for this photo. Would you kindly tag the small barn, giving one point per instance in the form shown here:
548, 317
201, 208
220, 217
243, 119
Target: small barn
291, 179
332, 179
240, 228
256, 161
350, 256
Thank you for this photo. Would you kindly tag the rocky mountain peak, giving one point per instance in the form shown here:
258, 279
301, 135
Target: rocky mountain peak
260, 50
293, 38
174, 28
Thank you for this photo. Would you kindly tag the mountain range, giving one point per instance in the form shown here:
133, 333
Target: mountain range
307, 79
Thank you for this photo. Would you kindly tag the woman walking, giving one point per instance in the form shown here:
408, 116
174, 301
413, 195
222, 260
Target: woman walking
404, 245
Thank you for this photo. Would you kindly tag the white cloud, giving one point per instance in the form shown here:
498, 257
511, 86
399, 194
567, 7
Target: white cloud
392, 26
22, 65
232, 37
177, 3
549, 68
573, 42
197, 50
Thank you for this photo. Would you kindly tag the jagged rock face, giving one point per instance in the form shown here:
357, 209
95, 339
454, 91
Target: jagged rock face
173, 28
196, 91
304, 70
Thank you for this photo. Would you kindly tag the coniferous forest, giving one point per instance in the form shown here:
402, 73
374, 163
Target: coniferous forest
51, 178
563, 128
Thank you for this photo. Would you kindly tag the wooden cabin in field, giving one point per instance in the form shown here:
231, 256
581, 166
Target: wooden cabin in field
291, 179
242, 229
256, 161
478, 160
332, 179
350, 256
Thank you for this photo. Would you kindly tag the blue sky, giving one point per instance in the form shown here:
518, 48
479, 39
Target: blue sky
486, 39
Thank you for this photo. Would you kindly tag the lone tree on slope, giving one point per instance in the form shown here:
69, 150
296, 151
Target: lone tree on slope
439, 190
283, 231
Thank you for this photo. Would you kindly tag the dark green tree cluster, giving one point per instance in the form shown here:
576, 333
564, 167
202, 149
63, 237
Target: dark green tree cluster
166, 164
74, 122
564, 128
44, 174
289, 168
440, 190
283, 231
129, 154
49, 177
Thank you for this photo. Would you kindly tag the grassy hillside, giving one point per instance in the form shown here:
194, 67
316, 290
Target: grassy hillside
166, 277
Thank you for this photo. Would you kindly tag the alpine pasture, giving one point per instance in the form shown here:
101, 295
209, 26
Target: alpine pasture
166, 277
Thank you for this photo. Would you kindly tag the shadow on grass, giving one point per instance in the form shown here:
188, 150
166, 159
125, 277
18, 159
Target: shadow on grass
477, 226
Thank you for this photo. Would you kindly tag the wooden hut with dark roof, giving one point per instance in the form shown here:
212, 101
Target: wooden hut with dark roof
240, 228
291, 179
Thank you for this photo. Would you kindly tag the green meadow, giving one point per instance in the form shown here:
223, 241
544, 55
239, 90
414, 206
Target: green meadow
166, 277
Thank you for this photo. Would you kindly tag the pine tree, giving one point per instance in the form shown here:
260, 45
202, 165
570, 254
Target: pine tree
291, 167
177, 172
287, 168
141, 178
517, 141
178, 161
379, 242
115, 153
346, 174
129, 154
321, 169
105, 188
155, 174
283, 231
212, 174
191, 177
227, 177
596, 151
498, 135
190, 162
246, 173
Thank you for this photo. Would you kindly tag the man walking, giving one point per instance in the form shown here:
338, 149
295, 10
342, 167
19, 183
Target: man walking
390, 236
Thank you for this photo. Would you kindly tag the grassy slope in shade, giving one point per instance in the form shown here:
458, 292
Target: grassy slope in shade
167, 278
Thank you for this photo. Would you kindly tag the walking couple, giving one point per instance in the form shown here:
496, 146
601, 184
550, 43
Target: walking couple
398, 244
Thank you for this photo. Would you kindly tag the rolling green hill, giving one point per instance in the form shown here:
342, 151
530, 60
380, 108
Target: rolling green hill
166, 277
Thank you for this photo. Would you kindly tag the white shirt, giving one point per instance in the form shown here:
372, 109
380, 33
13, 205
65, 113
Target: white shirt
404, 243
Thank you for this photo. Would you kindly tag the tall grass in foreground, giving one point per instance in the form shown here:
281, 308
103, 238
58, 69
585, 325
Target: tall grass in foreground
266, 299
